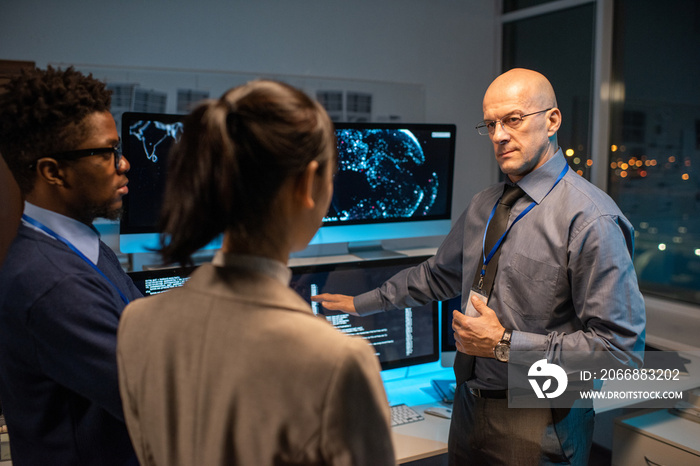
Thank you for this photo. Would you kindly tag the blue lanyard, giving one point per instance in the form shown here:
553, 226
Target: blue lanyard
60, 238
487, 258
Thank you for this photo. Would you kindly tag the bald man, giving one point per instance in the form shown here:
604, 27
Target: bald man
560, 283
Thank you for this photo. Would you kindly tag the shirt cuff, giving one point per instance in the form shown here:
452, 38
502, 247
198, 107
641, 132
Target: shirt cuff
525, 341
368, 303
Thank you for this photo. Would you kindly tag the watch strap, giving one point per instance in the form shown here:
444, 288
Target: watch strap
507, 334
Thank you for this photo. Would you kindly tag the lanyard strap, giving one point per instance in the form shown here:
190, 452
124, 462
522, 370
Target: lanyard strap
60, 238
487, 258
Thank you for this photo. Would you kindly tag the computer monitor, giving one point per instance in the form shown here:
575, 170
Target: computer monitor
448, 348
394, 181
152, 282
402, 337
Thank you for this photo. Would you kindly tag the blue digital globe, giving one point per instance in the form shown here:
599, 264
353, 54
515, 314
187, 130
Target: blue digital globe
381, 175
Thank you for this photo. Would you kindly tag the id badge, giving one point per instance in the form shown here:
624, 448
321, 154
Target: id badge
471, 311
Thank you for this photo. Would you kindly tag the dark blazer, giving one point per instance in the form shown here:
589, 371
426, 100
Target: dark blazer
233, 368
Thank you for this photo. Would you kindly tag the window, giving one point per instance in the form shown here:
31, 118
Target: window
654, 154
648, 156
559, 45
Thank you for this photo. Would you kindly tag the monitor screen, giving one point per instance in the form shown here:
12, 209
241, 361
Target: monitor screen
393, 181
402, 337
151, 282
146, 142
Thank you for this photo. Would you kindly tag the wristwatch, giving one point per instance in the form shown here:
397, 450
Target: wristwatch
502, 349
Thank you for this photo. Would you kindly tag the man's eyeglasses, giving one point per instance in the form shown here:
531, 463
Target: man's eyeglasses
511, 121
80, 153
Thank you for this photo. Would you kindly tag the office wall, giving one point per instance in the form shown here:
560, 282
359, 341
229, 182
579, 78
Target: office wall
448, 46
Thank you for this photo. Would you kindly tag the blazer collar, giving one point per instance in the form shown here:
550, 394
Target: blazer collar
244, 284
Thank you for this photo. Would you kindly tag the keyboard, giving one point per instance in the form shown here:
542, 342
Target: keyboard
403, 414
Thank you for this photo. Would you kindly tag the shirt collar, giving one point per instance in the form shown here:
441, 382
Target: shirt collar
269, 267
538, 183
84, 238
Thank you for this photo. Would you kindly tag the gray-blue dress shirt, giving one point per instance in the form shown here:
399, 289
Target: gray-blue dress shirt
565, 280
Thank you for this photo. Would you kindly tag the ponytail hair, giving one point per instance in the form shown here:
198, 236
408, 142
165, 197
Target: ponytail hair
235, 153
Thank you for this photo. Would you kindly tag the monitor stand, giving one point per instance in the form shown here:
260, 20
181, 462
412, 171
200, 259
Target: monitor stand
371, 250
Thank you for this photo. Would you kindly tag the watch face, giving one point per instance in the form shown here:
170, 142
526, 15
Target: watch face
502, 352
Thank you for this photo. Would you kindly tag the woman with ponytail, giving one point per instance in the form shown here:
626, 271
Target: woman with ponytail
233, 368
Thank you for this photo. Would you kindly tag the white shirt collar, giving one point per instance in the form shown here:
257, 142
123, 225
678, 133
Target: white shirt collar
85, 239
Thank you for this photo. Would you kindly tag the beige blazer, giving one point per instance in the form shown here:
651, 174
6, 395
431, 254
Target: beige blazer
234, 369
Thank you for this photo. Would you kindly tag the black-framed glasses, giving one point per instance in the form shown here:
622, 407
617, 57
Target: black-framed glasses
116, 151
510, 121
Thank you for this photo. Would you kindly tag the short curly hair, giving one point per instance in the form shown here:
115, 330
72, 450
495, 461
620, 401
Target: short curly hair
42, 112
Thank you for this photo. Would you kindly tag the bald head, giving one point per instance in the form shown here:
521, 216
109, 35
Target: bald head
524, 143
527, 87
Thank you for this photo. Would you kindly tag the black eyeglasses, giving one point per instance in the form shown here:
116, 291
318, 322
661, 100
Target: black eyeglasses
511, 121
80, 153
116, 151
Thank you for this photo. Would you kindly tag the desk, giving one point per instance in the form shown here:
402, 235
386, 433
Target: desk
655, 437
422, 439
426, 438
